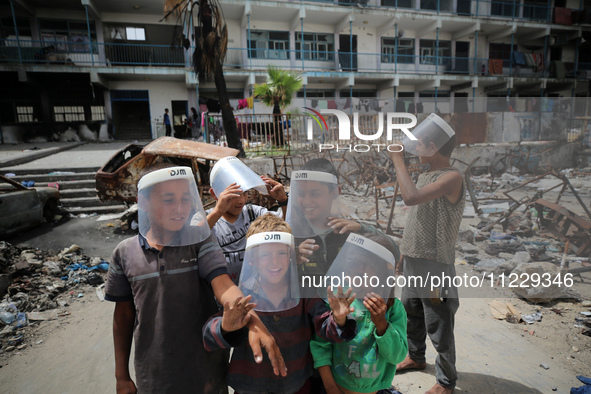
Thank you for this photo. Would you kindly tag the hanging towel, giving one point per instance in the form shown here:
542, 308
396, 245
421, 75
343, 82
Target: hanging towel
518, 58
540, 64
250, 102
495, 66
529, 60
322, 104
242, 103
332, 104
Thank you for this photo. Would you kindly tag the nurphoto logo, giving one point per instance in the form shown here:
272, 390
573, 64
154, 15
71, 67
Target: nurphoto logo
344, 129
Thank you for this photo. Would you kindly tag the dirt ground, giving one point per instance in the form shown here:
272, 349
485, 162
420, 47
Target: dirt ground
75, 353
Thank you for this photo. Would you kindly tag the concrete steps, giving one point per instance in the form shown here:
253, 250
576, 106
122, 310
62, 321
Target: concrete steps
77, 189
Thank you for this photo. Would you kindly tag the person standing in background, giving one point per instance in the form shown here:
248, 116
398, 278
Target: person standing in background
167, 123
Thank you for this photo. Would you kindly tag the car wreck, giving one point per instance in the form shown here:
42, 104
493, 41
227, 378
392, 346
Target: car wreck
118, 178
24, 207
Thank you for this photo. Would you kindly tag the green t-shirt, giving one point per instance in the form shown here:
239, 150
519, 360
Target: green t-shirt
368, 362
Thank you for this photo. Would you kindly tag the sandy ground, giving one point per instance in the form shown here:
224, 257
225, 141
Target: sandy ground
493, 356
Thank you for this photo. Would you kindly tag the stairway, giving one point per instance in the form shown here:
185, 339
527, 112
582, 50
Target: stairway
77, 189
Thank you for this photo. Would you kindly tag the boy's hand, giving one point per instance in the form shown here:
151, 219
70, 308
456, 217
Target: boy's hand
225, 198
125, 387
236, 316
341, 304
342, 226
258, 336
394, 156
275, 189
377, 308
306, 249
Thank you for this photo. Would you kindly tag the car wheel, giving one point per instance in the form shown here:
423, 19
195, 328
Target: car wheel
51, 209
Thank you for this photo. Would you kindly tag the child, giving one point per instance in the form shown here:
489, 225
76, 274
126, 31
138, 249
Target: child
163, 282
314, 215
231, 217
366, 364
269, 276
428, 245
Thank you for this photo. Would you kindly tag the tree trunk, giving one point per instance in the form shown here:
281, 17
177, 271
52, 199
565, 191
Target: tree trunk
228, 119
277, 126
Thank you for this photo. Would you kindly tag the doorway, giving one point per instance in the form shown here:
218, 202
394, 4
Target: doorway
347, 53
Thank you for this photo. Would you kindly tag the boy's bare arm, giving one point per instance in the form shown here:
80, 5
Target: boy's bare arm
330, 385
123, 323
448, 185
226, 291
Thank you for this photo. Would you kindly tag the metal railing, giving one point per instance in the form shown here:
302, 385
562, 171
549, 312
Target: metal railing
506, 9
95, 54
111, 54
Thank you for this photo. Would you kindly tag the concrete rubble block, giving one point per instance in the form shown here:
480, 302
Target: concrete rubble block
547, 290
505, 268
466, 234
522, 257
506, 256
489, 264
468, 248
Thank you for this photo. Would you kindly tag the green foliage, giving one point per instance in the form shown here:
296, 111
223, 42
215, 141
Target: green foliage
279, 89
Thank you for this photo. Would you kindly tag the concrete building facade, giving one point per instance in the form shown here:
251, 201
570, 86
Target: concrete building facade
68, 63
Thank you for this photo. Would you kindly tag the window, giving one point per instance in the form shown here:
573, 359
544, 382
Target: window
406, 50
268, 45
69, 114
501, 51
67, 36
24, 114
535, 10
7, 28
359, 93
316, 46
503, 8
310, 93
98, 112
135, 33
431, 53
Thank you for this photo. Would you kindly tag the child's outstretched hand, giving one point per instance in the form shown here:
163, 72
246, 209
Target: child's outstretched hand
306, 249
276, 189
340, 304
343, 226
377, 308
225, 198
236, 316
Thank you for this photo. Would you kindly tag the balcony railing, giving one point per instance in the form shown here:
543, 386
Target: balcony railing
95, 54
536, 11
136, 55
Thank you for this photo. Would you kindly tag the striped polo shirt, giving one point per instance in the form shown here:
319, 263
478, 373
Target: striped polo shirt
292, 329
173, 298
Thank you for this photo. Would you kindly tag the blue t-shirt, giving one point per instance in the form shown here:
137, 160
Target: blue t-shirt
166, 119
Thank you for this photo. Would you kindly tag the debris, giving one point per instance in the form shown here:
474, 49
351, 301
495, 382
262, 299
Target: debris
495, 249
586, 314
468, 248
545, 366
42, 316
543, 292
532, 318
489, 264
586, 304
504, 311
21, 347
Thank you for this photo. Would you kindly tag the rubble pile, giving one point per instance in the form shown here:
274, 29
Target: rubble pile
40, 285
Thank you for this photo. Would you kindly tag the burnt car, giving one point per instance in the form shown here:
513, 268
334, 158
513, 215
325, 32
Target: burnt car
24, 207
118, 178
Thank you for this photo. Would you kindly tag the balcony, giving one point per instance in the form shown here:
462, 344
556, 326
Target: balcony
97, 54
136, 55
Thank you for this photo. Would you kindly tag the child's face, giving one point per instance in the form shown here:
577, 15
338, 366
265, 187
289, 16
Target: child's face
273, 263
237, 204
315, 199
424, 151
170, 205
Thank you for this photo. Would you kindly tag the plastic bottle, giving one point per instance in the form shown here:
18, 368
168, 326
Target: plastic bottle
7, 317
21, 320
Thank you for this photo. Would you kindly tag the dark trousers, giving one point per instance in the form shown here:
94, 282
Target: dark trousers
168, 130
433, 314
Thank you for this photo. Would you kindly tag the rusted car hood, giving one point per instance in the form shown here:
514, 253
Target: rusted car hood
117, 179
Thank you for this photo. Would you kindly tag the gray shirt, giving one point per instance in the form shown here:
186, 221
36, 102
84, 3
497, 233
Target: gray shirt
232, 236
173, 298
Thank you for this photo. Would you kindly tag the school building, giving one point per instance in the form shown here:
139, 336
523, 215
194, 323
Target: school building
90, 63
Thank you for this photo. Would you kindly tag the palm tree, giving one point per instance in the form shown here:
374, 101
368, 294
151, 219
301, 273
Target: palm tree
211, 45
277, 92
